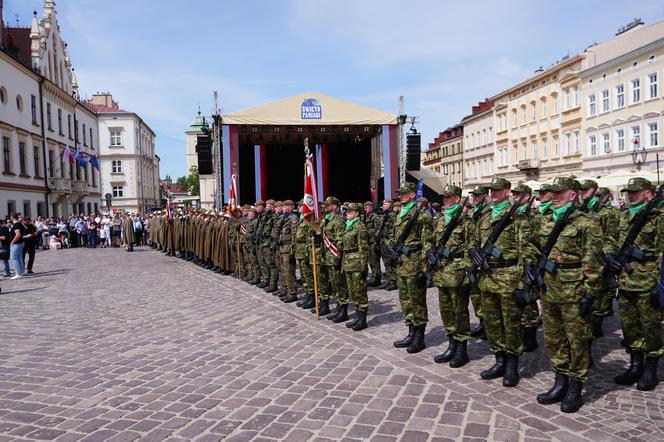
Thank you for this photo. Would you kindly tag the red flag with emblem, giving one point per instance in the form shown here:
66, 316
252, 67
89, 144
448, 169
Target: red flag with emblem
232, 195
310, 210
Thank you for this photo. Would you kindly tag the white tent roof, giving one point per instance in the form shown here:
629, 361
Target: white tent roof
616, 180
310, 108
432, 179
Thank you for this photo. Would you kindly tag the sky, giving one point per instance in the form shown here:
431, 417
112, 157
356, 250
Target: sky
163, 58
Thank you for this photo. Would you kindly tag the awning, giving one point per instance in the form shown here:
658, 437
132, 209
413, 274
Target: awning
432, 179
617, 180
310, 108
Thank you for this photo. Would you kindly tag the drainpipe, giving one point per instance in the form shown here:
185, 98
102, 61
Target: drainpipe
44, 148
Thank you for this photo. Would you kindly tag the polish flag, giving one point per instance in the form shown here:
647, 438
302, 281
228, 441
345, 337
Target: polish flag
310, 210
232, 195
68, 156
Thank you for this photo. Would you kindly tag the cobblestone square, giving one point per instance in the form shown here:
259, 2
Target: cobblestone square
107, 345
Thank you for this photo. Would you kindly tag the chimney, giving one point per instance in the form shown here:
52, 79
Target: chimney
104, 99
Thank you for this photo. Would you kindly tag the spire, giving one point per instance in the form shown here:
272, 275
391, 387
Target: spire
35, 42
49, 7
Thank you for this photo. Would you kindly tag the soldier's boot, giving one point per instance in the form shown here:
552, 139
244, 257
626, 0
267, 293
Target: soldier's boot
448, 354
375, 282
311, 303
479, 332
511, 376
304, 300
573, 399
283, 296
405, 342
352, 323
272, 288
497, 370
556, 393
417, 344
262, 284
591, 361
529, 339
391, 286
361, 322
597, 326
342, 314
649, 379
634, 371
256, 281
323, 307
292, 297
332, 315
460, 355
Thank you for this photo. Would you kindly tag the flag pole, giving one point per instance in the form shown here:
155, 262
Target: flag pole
313, 233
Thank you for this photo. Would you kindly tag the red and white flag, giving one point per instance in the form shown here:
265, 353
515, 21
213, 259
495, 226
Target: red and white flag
310, 210
232, 195
169, 212
330, 245
68, 155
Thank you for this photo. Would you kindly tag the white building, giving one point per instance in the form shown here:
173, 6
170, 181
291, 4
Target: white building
478, 147
623, 102
40, 115
129, 165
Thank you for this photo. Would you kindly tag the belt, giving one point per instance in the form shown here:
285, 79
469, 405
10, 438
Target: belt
503, 263
351, 250
567, 265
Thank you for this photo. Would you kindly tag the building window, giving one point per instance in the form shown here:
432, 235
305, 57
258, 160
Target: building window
620, 138
605, 100
60, 122
567, 103
592, 108
91, 143
116, 166
577, 147
77, 138
6, 155
568, 143
652, 78
118, 191
533, 105
21, 157
525, 151
592, 143
51, 163
636, 90
3, 95
545, 152
11, 206
33, 108
556, 146
543, 107
85, 173
69, 127
620, 96
523, 114
445, 169
535, 153
85, 136
555, 104
48, 116
576, 96
116, 138
19, 103
27, 208
606, 142
515, 122
652, 130
35, 158
636, 136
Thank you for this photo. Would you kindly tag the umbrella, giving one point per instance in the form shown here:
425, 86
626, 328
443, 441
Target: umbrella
619, 179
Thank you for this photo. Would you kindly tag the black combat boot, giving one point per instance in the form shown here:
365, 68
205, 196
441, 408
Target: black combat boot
323, 308
391, 286
342, 315
417, 344
405, 342
303, 301
262, 285
333, 314
529, 339
290, 298
361, 322
649, 379
597, 326
591, 361
479, 332
511, 376
497, 370
460, 355
375, 282
573, 399
556, 393
283, 296
311, 303
448, 354
634, 371
271, 288
351, 324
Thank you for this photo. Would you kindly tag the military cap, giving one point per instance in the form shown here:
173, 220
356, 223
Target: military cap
356, 207
388, 201
407, 187
397, 203
588, 184
498, 183
423, 200
562, 183
435, 206
544, 188
259, 203
245, 206
480, 190
330, 200
637, 184
279, 204
251, 209
451, 190
603, 190
521, 188
270, 202
289, 203
369, 203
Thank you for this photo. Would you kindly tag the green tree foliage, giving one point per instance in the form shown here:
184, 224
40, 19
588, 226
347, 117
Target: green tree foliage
190, 182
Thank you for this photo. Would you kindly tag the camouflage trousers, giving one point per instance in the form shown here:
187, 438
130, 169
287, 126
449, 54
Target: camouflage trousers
476, 300
276, 277
566, 336
502, 322
306, 275
641, 323
337, 284
325, 275
357, 288
454, 313
390, 270
602, 306
374, 262
288, 273
531, 316
251, 261
269, 269
263, 267
412, 292
233, 260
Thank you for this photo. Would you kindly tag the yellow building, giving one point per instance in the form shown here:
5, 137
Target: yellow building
445, 155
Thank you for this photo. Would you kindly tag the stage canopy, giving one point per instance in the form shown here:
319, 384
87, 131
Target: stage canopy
310, 108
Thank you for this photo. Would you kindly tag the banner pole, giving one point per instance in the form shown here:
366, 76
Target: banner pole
313, 260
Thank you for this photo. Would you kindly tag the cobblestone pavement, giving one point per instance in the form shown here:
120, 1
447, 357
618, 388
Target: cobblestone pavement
103, 344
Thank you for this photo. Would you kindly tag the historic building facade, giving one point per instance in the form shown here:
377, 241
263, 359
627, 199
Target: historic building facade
478, 147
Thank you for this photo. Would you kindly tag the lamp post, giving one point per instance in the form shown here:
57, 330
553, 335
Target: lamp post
639, 154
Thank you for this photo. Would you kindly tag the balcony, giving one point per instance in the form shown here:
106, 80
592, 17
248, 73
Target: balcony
59, 185
79, 187
528, 164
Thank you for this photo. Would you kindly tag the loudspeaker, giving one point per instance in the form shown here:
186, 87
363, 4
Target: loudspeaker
413, 152
204, 150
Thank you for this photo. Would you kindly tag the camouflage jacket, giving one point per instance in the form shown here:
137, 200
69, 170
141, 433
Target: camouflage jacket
247, 238
333, 226
266, 232
355, 245
277, 222
416, 242
287, 233
452, 270
372, 222
650, 241
386, 224
302, 241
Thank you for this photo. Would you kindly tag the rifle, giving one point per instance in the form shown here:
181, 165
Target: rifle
628, 250
399, 248
584, 206
529, 205
489, 248
441, 250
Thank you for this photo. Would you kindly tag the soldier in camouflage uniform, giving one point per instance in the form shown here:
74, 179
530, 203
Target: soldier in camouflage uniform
567, 300
638, 296
332, 228
261, 270
450, 275
386, 226
303, 259
410, 278
266, 247
276, 279
481, 208
372, 222
355, 244
287, 250
502, 317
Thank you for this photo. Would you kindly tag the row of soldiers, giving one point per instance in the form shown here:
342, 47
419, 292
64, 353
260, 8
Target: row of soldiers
486, 252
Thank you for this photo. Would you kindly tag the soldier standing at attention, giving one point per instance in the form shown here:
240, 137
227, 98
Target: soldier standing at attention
265, 246
502, 317
452, 298
481, 208
386, 226
303, 259
638, 297
570, 279
410, 278
372, 222
276, 278
332, 228
261, 277
355, 245
287, 250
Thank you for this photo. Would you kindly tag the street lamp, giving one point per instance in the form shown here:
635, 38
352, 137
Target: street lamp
639, 154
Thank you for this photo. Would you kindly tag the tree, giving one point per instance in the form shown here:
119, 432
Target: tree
190, 182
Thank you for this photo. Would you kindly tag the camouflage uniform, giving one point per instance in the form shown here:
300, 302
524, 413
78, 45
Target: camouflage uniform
478, 212
372, 222
303, 255
287, 251
332, 226
355, 244
265, 248
262, 267
276, 278
386, 226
